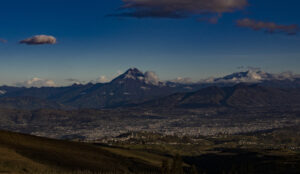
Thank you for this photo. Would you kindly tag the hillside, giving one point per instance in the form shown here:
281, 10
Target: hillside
28, 154
244, 153
29, 103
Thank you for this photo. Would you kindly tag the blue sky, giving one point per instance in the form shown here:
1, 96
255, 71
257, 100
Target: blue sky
90, 43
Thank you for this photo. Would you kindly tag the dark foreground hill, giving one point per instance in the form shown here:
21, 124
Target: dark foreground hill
247, 154
28, 154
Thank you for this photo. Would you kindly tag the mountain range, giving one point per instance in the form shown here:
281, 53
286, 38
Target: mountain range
136, 88
238, 96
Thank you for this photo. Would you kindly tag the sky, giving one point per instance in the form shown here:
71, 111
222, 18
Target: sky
58, 42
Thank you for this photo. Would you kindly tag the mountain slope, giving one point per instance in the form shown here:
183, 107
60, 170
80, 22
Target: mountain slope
29, 103
239, 96
131, 87
28, 154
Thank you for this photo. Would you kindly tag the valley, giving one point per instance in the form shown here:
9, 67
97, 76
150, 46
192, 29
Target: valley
90, 125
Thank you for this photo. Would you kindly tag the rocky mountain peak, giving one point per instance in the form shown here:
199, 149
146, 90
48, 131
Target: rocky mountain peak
131, 74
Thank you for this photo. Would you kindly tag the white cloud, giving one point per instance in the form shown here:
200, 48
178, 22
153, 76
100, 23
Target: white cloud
182, 80
286, 75
151, 78
269, 27
36, 82
39, 40
2, 92
103, 79
3, 40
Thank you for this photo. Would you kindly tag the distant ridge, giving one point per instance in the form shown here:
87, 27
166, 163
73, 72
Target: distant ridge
29, 103
253, 76
239, 96
130, 88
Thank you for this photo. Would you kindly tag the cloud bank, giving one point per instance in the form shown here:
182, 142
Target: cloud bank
178, 8
185, 80
39, 40
36, 82
269, 27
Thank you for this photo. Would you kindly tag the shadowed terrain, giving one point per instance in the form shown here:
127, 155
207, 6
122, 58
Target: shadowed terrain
28, 154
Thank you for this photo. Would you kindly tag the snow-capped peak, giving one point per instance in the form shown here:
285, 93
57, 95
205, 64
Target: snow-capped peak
133, 73
247, 76
2, 92
148, 77
251, 76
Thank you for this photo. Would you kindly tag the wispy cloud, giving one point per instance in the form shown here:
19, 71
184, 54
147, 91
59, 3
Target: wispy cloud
103, 79
36, 82
3, 40
269, 27
179, 8
39, 40
183, 80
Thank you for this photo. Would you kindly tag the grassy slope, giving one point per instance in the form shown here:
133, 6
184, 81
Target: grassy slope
22, 154
28, 154
150, 158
